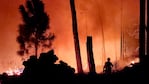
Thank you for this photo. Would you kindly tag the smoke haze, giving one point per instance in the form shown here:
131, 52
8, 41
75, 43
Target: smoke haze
92, 16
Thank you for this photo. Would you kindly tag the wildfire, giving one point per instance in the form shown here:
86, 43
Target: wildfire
12, 72
133, 62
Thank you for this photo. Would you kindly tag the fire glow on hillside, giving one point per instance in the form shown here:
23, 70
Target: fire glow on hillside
12, 72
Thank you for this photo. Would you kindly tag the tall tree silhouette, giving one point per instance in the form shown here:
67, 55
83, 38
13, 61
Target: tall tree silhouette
34, 31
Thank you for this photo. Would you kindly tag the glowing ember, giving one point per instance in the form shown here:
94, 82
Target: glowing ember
132, 62
17, 72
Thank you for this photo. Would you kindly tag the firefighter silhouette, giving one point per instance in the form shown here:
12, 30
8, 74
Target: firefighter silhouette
108, 66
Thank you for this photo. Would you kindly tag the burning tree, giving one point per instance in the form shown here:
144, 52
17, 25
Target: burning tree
34, 31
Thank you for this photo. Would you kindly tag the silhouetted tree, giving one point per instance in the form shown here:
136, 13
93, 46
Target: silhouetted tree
34, 31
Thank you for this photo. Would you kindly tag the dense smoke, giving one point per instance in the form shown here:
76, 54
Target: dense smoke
92, 17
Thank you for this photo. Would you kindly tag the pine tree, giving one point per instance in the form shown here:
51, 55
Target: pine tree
34, 31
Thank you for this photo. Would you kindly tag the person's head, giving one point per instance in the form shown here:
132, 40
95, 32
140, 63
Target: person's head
108, 59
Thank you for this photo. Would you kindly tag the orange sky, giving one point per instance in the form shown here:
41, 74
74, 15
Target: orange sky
92, 15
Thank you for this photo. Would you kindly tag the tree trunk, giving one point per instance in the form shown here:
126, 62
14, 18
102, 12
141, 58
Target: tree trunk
76, 38
36, 43
147, 29
142, 31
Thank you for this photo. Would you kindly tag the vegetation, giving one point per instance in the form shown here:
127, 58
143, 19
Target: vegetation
34, 31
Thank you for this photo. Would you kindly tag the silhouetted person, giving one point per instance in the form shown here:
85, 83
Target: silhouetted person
108, 66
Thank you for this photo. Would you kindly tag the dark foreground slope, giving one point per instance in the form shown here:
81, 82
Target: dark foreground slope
44, 71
